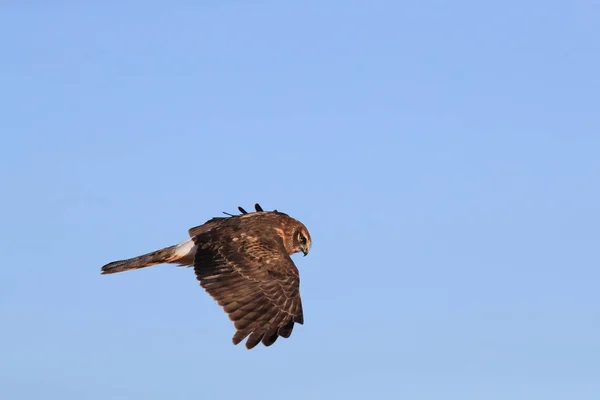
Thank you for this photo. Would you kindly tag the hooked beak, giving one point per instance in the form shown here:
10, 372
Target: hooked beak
305, 249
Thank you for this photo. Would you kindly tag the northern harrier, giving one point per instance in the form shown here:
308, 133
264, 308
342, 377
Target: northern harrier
243, 261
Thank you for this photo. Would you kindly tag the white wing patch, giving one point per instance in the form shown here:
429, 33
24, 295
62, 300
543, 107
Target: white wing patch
186, 251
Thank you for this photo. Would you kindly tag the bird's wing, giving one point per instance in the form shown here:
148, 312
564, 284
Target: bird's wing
255, 282
211, 223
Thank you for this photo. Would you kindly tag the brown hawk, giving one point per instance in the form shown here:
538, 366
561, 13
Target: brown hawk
243, 261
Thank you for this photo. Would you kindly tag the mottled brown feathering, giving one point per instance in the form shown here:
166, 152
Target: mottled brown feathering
243, 262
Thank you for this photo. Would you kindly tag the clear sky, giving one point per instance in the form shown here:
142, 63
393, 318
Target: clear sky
445, 157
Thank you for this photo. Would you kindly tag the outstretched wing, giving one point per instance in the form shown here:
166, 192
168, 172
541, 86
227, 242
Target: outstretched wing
211, 223
255, 282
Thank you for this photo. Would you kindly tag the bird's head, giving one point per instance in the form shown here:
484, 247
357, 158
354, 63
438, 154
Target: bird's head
298, 239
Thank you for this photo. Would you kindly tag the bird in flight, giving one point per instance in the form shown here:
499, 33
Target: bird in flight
243, 262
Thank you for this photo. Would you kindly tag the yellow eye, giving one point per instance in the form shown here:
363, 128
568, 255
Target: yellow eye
302, 239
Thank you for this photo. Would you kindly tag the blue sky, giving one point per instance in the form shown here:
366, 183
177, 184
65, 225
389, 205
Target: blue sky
444, 156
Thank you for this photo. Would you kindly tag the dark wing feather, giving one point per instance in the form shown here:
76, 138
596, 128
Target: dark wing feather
262, 299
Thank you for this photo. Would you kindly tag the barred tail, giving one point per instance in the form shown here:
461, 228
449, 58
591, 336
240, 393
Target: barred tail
179, 253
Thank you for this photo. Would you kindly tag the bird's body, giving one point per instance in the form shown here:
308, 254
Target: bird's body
243, 261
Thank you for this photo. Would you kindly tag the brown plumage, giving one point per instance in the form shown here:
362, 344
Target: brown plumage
243, 262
